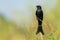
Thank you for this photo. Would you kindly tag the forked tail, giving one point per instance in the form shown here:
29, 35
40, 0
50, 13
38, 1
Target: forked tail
39, 30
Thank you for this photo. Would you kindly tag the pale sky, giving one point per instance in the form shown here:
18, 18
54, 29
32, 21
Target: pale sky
18, 10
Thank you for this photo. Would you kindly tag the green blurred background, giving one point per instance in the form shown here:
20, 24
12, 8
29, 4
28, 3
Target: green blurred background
21, 24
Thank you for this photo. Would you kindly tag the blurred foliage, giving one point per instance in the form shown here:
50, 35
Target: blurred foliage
51, 27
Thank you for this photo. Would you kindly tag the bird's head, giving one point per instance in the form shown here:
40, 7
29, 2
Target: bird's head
38, 7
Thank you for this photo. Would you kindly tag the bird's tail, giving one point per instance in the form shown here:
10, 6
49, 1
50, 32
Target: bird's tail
39, 30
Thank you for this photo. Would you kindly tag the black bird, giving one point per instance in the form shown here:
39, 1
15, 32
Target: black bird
39, 16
